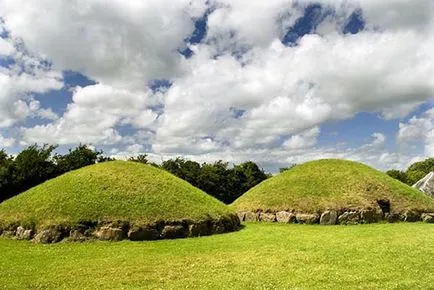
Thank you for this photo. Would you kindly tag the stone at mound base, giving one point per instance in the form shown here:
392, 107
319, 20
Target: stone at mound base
310, 219
23, 234
329, 217
285, 217
174, 232
48, 236
428, 218
426, 184
110, 234
267, 217
143, 233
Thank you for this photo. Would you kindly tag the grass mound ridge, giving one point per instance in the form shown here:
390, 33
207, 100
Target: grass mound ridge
114, 193
316, 186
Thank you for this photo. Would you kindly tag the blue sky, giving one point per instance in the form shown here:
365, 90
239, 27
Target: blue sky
280, 83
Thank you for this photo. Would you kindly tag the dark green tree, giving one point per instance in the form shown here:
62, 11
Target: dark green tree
141, 158
78, 157
398, 174
419, 170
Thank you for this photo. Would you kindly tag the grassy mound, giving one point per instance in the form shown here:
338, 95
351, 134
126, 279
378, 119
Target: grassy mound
332, 184
112, 191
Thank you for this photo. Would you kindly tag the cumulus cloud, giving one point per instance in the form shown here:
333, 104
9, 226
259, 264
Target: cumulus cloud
24, 76
418, 129
93, 116
6, 142
123, 43
242, 95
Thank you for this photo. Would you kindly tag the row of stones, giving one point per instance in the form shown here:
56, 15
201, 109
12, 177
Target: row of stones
332, 217
120, 231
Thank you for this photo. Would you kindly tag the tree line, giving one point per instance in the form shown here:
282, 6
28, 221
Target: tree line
414, 172
36, 164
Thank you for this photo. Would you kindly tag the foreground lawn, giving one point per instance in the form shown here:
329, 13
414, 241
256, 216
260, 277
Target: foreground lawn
260, 256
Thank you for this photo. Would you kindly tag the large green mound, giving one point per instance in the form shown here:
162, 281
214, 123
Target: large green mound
332, 184
123, 192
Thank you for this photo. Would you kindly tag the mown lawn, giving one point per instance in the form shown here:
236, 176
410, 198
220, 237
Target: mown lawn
260, 256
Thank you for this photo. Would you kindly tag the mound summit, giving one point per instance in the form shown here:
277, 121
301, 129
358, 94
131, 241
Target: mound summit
113, 201
333, 191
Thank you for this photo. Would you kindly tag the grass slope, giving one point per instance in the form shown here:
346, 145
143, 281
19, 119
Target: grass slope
261, 256
331, 184
111, 191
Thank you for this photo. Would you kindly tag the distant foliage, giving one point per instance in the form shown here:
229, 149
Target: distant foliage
414, 173
397, 174
283, 169
36, 164
217, 179
76, 158
141, 158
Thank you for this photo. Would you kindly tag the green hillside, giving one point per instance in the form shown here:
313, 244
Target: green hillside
332, 184
112, 191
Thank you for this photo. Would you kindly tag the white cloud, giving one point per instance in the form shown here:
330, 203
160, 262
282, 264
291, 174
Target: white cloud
123, 43
418, 130
92, 117
243, 95
304, 140
6, 142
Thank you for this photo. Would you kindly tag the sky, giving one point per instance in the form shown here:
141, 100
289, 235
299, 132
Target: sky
276, 82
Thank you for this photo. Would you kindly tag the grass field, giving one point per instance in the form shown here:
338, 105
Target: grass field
332, 184
260, 256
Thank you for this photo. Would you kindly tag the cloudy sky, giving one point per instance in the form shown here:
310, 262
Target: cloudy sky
276, 82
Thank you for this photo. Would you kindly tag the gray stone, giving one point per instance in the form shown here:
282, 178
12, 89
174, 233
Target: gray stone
412, 216
48, 236
329, 217
241, 215
8, 234
236, 222
285, 217
110, 234
143, 233
250, 217
370, 215
23, 234
428, 218
200, 229
349, 217
393, 217
77, 236
303, 218
173, 232
426, 184
267, 217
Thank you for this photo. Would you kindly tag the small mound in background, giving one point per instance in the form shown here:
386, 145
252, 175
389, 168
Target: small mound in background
115, 200
339, 186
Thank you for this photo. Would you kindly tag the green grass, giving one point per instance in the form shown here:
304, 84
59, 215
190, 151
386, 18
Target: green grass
261, 256
111, 191
332, 184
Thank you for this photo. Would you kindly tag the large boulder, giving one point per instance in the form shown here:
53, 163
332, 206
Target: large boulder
143, 233
428, 218
250, 216
174, 232
285, 217
48, 236
426, 184
329, 217
23, 234
198, 229
349, 217
108, 233
267, 217
304, 218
